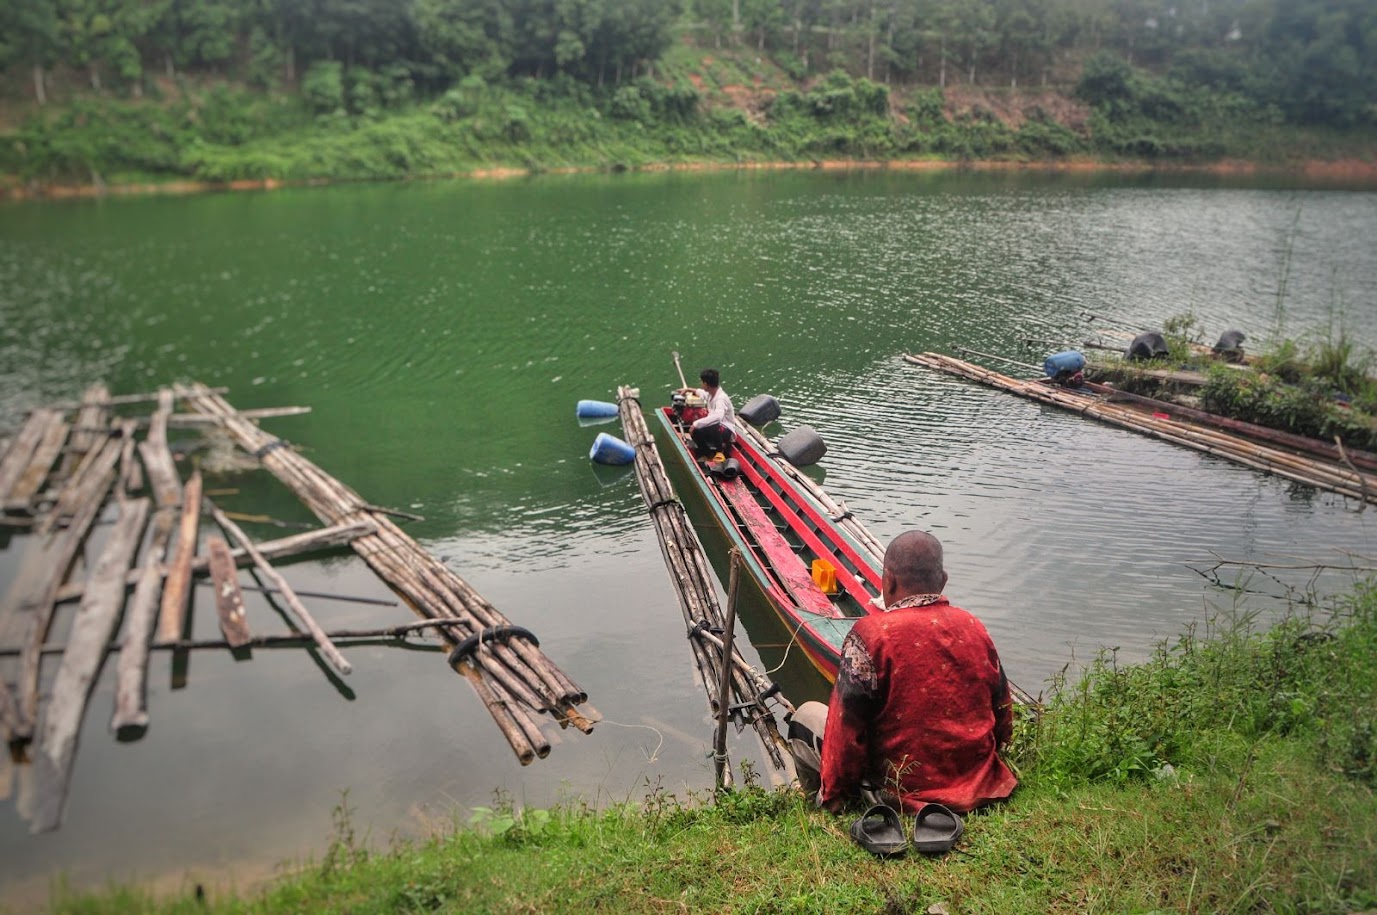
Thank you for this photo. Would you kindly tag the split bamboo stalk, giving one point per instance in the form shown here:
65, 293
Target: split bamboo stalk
172, 615
95, 622
229, 600
299, 611
403, 564
193, 420
28, 608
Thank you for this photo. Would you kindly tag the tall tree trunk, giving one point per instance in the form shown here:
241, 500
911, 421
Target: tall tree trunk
942, 78
40, 91
95, 77
290, 63
736, 15
1013, 70
798, 28
168, 68
870, 46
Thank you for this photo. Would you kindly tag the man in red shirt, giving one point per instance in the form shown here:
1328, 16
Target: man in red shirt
921, 706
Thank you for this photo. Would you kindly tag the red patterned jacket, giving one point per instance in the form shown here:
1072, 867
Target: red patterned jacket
921, 704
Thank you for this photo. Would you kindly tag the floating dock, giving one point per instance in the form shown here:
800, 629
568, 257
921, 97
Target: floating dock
61, 476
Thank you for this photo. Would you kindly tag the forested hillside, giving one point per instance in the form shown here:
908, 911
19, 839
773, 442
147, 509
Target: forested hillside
200, 88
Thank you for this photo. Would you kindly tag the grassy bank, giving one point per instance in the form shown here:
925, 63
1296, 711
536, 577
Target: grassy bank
1232, 772
700, 108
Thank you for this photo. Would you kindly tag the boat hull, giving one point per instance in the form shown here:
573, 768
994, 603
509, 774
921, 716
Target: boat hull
779, 530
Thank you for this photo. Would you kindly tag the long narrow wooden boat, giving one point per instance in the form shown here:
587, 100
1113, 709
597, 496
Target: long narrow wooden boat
782, 531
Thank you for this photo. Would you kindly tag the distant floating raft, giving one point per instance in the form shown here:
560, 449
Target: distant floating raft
1345, 480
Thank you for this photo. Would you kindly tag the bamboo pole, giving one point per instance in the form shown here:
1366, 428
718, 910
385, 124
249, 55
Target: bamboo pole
719, 744
692, 580
427, 586
302, 615
95, 623
172, 615
1343, 480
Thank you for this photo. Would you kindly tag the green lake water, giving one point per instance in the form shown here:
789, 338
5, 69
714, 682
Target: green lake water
442, 333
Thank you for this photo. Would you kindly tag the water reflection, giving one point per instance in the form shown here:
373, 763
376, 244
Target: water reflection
443, 333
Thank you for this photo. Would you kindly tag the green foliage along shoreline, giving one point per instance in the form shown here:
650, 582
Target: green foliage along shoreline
119, 91
1234, 771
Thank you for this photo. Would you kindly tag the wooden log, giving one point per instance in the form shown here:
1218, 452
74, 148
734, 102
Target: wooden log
400, 562
130, 716
77, 488
30, 481
125, 399
96, 621
172, 613
157, 458
28, 608
229, 600
20, 452
88, 433
325, 538
302, 615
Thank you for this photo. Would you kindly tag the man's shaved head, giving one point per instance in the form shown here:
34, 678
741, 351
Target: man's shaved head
914, 560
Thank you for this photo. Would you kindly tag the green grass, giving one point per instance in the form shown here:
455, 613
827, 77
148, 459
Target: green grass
1231, 772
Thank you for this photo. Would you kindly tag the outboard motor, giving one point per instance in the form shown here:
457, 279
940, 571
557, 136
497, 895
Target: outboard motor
1150, 345
1230, 345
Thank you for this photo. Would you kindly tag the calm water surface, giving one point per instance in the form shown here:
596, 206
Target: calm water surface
443, 332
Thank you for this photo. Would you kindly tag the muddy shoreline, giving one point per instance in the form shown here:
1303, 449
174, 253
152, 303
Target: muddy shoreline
1347, 171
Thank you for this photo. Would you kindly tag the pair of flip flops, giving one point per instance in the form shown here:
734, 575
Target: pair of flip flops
881, 832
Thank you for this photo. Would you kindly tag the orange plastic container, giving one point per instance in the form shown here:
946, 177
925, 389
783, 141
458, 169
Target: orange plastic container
825, 576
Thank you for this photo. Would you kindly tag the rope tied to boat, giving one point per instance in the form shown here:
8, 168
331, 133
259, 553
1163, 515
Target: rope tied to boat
504, 634
670, 500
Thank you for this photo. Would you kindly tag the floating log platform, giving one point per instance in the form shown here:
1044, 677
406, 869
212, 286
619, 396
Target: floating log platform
60, 473
692, 579
1339, 477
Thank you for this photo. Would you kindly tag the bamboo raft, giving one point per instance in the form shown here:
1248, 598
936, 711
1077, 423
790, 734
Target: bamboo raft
692, 579
59, 477
1342, 477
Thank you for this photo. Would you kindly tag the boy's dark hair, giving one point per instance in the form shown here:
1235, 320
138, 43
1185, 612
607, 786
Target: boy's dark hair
710, 377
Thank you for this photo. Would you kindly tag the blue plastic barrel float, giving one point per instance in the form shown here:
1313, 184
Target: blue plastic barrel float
608, 449
595, 409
